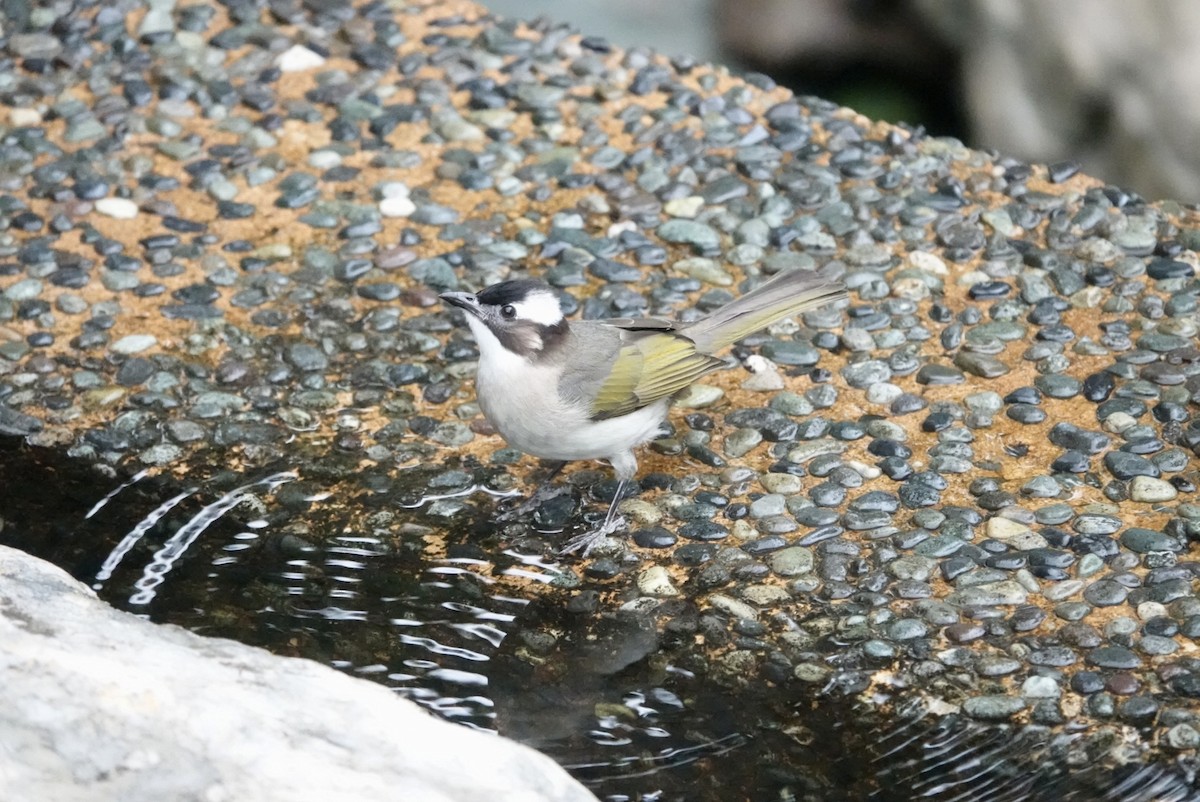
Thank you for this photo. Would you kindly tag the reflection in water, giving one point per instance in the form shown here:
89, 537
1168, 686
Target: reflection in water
628, 766
137, 477
164, 559
135, 535
390, 589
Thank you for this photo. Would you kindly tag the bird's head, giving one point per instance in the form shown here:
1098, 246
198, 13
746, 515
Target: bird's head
522, 316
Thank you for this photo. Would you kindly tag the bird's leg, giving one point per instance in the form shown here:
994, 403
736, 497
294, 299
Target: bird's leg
609, 517
588, 540
556, 467
544, 493
625, 467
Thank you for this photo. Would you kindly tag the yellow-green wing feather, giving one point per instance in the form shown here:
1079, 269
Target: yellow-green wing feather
618, 394
647, 369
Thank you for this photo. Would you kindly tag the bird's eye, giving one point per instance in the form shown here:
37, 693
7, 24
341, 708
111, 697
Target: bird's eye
508, 311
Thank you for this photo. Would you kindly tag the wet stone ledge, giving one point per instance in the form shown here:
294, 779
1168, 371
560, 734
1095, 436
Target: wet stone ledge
948, 530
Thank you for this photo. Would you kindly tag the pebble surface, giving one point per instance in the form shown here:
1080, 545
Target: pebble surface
973, 485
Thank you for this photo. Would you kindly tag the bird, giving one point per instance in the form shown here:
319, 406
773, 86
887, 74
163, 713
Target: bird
598, 389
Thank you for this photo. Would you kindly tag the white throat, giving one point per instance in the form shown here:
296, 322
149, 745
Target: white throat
491, 351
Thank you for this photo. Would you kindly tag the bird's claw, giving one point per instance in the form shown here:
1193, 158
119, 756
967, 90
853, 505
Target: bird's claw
589, 540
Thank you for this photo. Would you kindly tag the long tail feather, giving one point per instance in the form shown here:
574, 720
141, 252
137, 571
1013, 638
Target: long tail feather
784, 295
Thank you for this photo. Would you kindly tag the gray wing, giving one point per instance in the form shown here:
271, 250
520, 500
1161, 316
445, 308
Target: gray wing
637, 323
592, 351
616, 369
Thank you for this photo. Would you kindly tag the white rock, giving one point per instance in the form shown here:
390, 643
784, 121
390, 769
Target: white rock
298, 58
324, 159
1017, 535
134, 344
1148, 489
784, 483
1151, 609
928, 262
22, 117
97, 704
699, 396
687, 207
620, 227
655, 581
883, 393
120, 208
765, 376
735, 607
1040, 688
863, 469
397, 207
1118, 422
394, 189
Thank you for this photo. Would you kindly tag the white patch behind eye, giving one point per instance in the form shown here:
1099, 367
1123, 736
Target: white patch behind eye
540, 307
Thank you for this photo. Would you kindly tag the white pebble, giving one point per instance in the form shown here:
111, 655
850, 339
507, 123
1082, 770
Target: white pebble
863, 469
763, 383
928, 262
699, 396
570, 220
1148, 489
619, 228
1151, 609
394, 189
655, 581
22, 118
1118, 422
120, 208
1040, 688
324, 159
134, 344
883, 393
735, 607
1017, 535
297, 58
396, 207
686, 208
765, 379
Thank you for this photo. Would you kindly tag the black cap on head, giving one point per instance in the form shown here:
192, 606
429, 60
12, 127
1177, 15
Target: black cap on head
510, 292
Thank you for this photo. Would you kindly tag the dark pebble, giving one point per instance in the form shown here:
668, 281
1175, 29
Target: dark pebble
1070, 436
1026, 414
1124, 465
934, 374
703, 530
134, 371
989, 289
1160, 268
693, 554
1098, 387
1113, 657
1087, 682
1063, 170
1071, 461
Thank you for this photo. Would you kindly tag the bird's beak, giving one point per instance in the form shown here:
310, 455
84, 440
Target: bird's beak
463, 300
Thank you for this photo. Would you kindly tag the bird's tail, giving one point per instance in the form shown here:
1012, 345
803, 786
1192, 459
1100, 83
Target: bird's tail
786, 294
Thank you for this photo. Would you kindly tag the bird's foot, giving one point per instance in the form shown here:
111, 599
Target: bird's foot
589, 540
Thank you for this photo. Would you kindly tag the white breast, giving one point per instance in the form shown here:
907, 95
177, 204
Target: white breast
521, 400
